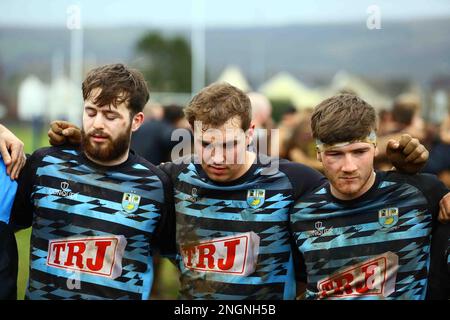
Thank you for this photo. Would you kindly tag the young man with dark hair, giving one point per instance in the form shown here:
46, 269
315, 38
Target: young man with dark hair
233, 205
366, 234
98, 212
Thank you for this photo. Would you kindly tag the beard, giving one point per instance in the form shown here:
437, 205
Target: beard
110, 149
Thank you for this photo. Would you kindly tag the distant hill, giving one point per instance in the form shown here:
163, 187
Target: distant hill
416, 49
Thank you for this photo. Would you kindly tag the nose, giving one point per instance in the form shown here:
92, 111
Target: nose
98, 121
349, 164
217, 155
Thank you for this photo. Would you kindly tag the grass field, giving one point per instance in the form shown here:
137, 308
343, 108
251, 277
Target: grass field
166, 280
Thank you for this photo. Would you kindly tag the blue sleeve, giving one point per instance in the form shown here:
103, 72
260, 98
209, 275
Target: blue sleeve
8, 190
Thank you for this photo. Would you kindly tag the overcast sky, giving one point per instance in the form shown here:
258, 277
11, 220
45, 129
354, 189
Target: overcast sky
179, 13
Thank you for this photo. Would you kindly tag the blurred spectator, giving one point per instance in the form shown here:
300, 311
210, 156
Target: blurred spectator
289, 117
301, 146
174, 115
405, 119
386, 124
289, 121
406, 116
444, 132
262, 119
153, 140
153, 111
439, 161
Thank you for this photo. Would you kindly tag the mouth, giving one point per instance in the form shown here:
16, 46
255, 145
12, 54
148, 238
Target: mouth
348, 178
98, 138
217, 170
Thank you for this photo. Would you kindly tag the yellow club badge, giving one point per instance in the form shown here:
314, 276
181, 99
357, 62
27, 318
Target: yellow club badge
388, 217
130, 202
256, 197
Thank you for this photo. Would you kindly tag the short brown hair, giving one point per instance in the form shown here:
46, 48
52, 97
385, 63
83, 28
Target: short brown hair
217, 103
118, 84
344, 117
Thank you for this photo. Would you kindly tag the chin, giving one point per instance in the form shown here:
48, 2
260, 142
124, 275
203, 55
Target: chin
349, 192
216, 177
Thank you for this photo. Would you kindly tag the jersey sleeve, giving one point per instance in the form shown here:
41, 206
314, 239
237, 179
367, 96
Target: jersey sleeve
430, 186
22, 210
435, 190
303, 179
7, 193
164, 237
172, 169
299, 263
439, 274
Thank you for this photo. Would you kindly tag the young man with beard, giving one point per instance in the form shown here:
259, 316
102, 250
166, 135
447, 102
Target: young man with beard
366, 234
97, 212
232, 204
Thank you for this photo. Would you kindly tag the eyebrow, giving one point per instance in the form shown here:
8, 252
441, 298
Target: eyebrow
341, 151
88, 106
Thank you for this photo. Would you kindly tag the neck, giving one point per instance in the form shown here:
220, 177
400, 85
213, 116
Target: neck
350, 196
249, 160
111, 163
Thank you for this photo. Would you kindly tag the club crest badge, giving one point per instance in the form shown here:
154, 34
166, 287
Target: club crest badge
130, 202
256, 197
388, 217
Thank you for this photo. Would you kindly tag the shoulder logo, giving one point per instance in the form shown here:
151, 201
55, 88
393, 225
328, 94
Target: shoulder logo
256, 197
388, 217
130, 202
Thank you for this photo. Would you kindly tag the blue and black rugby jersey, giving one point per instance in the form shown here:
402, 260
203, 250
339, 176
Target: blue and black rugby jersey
233, 238
8, 189
94, 227
373, 247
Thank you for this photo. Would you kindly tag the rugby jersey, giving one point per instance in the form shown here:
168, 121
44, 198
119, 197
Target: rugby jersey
94, 228
374, 247
233, 238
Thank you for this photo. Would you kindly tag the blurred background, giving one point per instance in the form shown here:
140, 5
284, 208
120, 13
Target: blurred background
288, 55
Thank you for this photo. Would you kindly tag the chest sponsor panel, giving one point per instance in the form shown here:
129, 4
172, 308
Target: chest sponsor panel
101, 256
236, 254
374, 277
